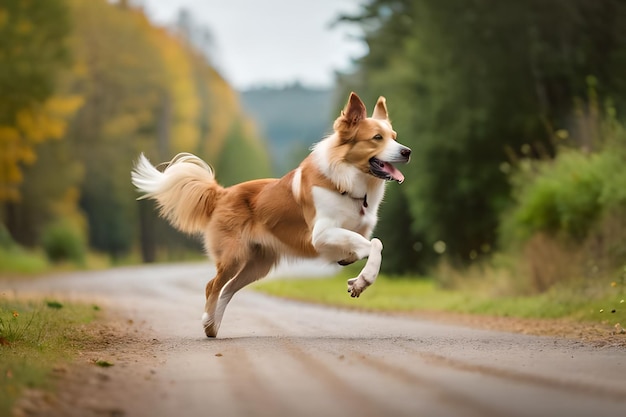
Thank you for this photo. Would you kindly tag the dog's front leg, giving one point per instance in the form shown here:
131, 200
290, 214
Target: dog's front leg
345, 246
370, 271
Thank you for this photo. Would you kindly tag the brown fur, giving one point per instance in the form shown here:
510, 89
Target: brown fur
248, 227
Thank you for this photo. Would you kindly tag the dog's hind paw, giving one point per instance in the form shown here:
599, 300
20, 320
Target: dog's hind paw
357, 285
208, 323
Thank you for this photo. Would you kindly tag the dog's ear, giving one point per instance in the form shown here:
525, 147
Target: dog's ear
354, 111
380, 111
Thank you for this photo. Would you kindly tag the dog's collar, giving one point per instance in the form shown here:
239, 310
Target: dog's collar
364, 198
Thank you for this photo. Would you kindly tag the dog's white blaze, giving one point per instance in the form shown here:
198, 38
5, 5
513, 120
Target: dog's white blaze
296, 183
391, 151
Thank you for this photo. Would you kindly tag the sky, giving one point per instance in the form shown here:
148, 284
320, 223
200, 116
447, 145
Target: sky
272, 42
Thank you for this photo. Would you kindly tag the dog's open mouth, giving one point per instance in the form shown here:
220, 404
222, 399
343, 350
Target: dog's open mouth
385, 170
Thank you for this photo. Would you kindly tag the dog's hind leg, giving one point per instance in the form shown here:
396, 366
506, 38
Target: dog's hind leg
213, 288
221, 289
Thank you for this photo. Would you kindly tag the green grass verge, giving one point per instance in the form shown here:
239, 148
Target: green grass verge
36, 337
19, 261
413, 295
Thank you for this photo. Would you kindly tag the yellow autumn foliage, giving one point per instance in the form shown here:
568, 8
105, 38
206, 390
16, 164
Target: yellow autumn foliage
47, 121
32, 126
129, 87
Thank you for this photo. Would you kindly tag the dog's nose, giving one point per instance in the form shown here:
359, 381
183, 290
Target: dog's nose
406, 152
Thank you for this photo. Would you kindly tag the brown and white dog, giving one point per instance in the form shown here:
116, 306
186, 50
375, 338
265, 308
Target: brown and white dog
326, 208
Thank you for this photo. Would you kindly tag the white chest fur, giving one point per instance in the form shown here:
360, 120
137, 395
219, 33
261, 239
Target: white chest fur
345, 211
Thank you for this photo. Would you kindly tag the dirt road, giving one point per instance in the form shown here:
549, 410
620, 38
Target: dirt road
281, 358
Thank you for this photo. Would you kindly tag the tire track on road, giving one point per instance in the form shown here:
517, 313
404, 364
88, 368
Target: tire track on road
616, 394
461, 402
347, 394
359, 402
254, 393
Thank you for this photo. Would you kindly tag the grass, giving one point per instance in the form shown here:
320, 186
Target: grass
19, 261
36, 337
599, 303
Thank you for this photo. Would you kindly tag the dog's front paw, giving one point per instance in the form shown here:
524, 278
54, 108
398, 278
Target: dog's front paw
357, 285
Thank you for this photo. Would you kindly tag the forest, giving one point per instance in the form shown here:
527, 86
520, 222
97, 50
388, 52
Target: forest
85, 86
513, 109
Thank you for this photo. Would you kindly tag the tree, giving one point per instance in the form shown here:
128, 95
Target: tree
240, 160
471, 84
32, 51
130, 87
123, 84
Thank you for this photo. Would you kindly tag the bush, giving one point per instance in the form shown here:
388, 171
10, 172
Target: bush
565, 197
567, 222
63, 242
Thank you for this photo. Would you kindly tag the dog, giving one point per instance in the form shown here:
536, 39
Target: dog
326, 208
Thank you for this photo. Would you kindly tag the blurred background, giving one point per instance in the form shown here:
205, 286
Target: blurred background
514, 111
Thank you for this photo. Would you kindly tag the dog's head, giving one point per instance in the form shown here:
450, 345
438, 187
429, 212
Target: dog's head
369, 143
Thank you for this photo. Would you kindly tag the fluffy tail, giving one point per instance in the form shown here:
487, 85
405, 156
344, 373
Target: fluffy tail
186, 190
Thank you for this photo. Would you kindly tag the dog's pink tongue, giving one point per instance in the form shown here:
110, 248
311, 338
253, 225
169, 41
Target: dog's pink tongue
393, 172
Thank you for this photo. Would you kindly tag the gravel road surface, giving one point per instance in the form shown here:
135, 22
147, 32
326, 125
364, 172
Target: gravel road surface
282, 358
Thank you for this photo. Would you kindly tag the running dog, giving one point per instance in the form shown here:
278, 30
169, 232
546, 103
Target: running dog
326, 208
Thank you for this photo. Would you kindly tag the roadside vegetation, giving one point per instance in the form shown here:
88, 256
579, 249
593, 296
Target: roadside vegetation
601, 303
64, 251
515, 196
36, 338
108, 85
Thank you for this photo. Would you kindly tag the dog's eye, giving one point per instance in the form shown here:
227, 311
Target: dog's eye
378, 137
